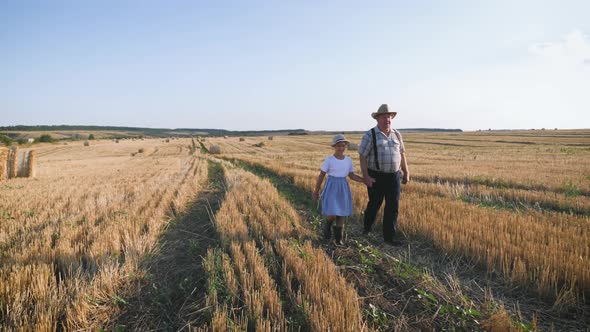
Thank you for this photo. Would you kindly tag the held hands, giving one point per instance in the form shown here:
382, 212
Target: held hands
368, 181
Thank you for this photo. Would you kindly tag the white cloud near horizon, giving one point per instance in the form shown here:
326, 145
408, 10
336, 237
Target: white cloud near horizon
547, 89
574, 49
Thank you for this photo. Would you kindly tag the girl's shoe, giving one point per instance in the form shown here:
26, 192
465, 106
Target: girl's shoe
338, 235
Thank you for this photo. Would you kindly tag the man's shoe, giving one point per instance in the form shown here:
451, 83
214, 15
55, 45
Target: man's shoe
394, 242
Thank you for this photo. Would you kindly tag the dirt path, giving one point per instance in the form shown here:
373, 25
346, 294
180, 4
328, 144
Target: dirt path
172, 296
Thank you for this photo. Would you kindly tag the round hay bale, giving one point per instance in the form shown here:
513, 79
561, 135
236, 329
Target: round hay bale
353, 146
242, 139
2, 163
214, 149
86, 143
11, 162
270, 138
31, 164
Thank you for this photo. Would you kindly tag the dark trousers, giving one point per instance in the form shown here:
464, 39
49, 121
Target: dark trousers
388, 186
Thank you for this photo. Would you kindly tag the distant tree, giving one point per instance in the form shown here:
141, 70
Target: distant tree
91, 136
6, 140
46, 138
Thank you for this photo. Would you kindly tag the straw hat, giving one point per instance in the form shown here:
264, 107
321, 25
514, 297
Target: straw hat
383, 109
339, 138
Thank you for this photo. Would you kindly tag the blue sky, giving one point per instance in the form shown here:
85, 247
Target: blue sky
317, 65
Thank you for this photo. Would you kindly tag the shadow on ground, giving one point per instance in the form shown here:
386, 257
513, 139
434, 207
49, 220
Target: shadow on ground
173, 293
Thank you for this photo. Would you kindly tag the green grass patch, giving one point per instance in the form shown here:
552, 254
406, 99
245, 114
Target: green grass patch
216, 279
376, 317
570, 189
216, 177
204, 150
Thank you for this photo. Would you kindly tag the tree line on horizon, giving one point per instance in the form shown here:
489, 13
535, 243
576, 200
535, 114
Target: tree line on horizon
196, 131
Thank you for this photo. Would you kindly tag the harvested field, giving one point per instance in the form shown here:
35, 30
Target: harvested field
496, 225
72, 237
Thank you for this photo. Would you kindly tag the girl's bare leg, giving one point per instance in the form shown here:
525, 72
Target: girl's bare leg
328, 227
339, 230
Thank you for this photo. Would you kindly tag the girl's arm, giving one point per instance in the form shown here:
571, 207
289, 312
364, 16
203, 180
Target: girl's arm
357, 178
316, 193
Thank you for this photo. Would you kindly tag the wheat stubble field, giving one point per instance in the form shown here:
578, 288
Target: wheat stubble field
497, 228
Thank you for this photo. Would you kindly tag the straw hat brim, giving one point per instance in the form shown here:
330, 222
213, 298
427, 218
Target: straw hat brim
342, 140
374, 114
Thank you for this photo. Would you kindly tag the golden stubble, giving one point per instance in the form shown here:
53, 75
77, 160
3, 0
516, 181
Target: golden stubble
264, 237
71, 238
500, 201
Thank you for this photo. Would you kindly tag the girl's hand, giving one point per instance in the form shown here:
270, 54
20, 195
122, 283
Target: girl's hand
315, 195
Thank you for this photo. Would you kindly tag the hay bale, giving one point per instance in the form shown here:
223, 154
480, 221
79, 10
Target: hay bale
86, 143
141, 150
225, 136
11, 161
21, 164
242, 139
259, 145
2, 165
167, 140
31, 164
353, 146
270, 138
116, 141
214, 149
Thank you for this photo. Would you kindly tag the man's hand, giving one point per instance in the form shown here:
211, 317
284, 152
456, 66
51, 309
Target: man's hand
406, 177
368, 181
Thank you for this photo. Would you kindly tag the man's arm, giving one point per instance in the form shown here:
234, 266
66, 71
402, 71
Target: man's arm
404, 165
366, 178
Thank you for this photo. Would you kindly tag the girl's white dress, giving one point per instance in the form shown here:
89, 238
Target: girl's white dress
336, 196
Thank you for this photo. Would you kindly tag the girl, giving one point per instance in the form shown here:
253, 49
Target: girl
336, 196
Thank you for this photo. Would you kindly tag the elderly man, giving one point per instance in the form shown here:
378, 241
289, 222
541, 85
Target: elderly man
384, 168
